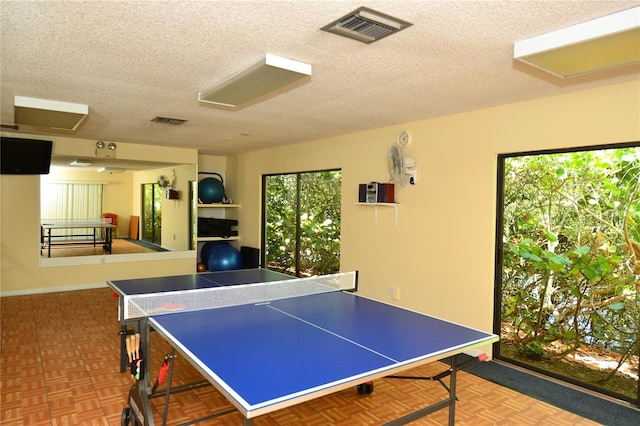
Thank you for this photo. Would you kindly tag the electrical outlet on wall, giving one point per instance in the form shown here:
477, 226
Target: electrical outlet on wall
394, 292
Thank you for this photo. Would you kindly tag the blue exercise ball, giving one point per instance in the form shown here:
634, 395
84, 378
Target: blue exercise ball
208, 248
210, 190
224, 258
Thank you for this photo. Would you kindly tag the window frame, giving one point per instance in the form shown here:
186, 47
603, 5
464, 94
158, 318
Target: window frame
498, 267
263, 224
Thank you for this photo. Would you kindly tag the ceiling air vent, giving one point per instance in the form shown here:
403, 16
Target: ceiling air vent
168, 120
366, 25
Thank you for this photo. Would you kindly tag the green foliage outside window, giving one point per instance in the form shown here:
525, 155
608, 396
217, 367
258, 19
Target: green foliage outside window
151, 213
302, 222
570, 275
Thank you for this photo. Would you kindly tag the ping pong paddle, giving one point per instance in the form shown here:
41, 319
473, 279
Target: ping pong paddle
130, 342
127, 341
137, 346
163, 372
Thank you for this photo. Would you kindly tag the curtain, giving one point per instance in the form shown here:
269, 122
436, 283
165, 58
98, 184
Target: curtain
70, 202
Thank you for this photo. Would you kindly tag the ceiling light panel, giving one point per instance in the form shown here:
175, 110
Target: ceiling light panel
602, 43
47, 113
270, 75
111, 170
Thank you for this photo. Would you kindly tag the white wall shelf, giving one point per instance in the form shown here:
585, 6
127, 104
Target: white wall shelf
218, 206
375, 209
234, 238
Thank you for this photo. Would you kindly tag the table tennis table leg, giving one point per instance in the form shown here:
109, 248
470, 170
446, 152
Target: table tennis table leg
452, 391
123, 348
168, 391
449, 402
108, 240
138, 410
145, 334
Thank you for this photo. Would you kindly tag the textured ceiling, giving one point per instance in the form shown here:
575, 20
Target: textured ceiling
133, 60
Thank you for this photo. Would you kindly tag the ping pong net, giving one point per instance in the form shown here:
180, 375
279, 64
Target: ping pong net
143, 305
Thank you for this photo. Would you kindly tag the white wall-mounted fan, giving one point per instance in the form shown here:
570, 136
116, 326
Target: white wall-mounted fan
402, 170
163, 182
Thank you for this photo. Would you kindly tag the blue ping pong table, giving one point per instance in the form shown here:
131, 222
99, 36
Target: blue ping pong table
268, 355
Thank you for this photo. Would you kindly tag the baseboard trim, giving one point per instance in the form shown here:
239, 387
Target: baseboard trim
34, 291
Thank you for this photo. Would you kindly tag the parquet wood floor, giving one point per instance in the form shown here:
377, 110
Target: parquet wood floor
59, 365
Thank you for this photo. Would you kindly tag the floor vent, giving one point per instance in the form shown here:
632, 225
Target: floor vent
366, 25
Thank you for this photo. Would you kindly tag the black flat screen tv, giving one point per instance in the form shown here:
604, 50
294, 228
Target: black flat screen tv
25, 156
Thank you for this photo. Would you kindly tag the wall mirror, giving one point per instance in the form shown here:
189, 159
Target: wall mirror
148, 205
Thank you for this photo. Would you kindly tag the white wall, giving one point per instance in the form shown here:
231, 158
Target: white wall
441, 253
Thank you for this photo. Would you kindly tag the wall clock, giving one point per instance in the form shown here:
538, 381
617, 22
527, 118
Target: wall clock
403, 139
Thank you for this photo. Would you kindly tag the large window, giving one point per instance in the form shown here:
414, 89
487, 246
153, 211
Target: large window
152, 213
302, 222
568, 263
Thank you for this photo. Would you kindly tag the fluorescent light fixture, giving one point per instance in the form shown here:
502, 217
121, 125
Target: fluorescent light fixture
80, 163
45, 113
111, 170
602, 43
272, 74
